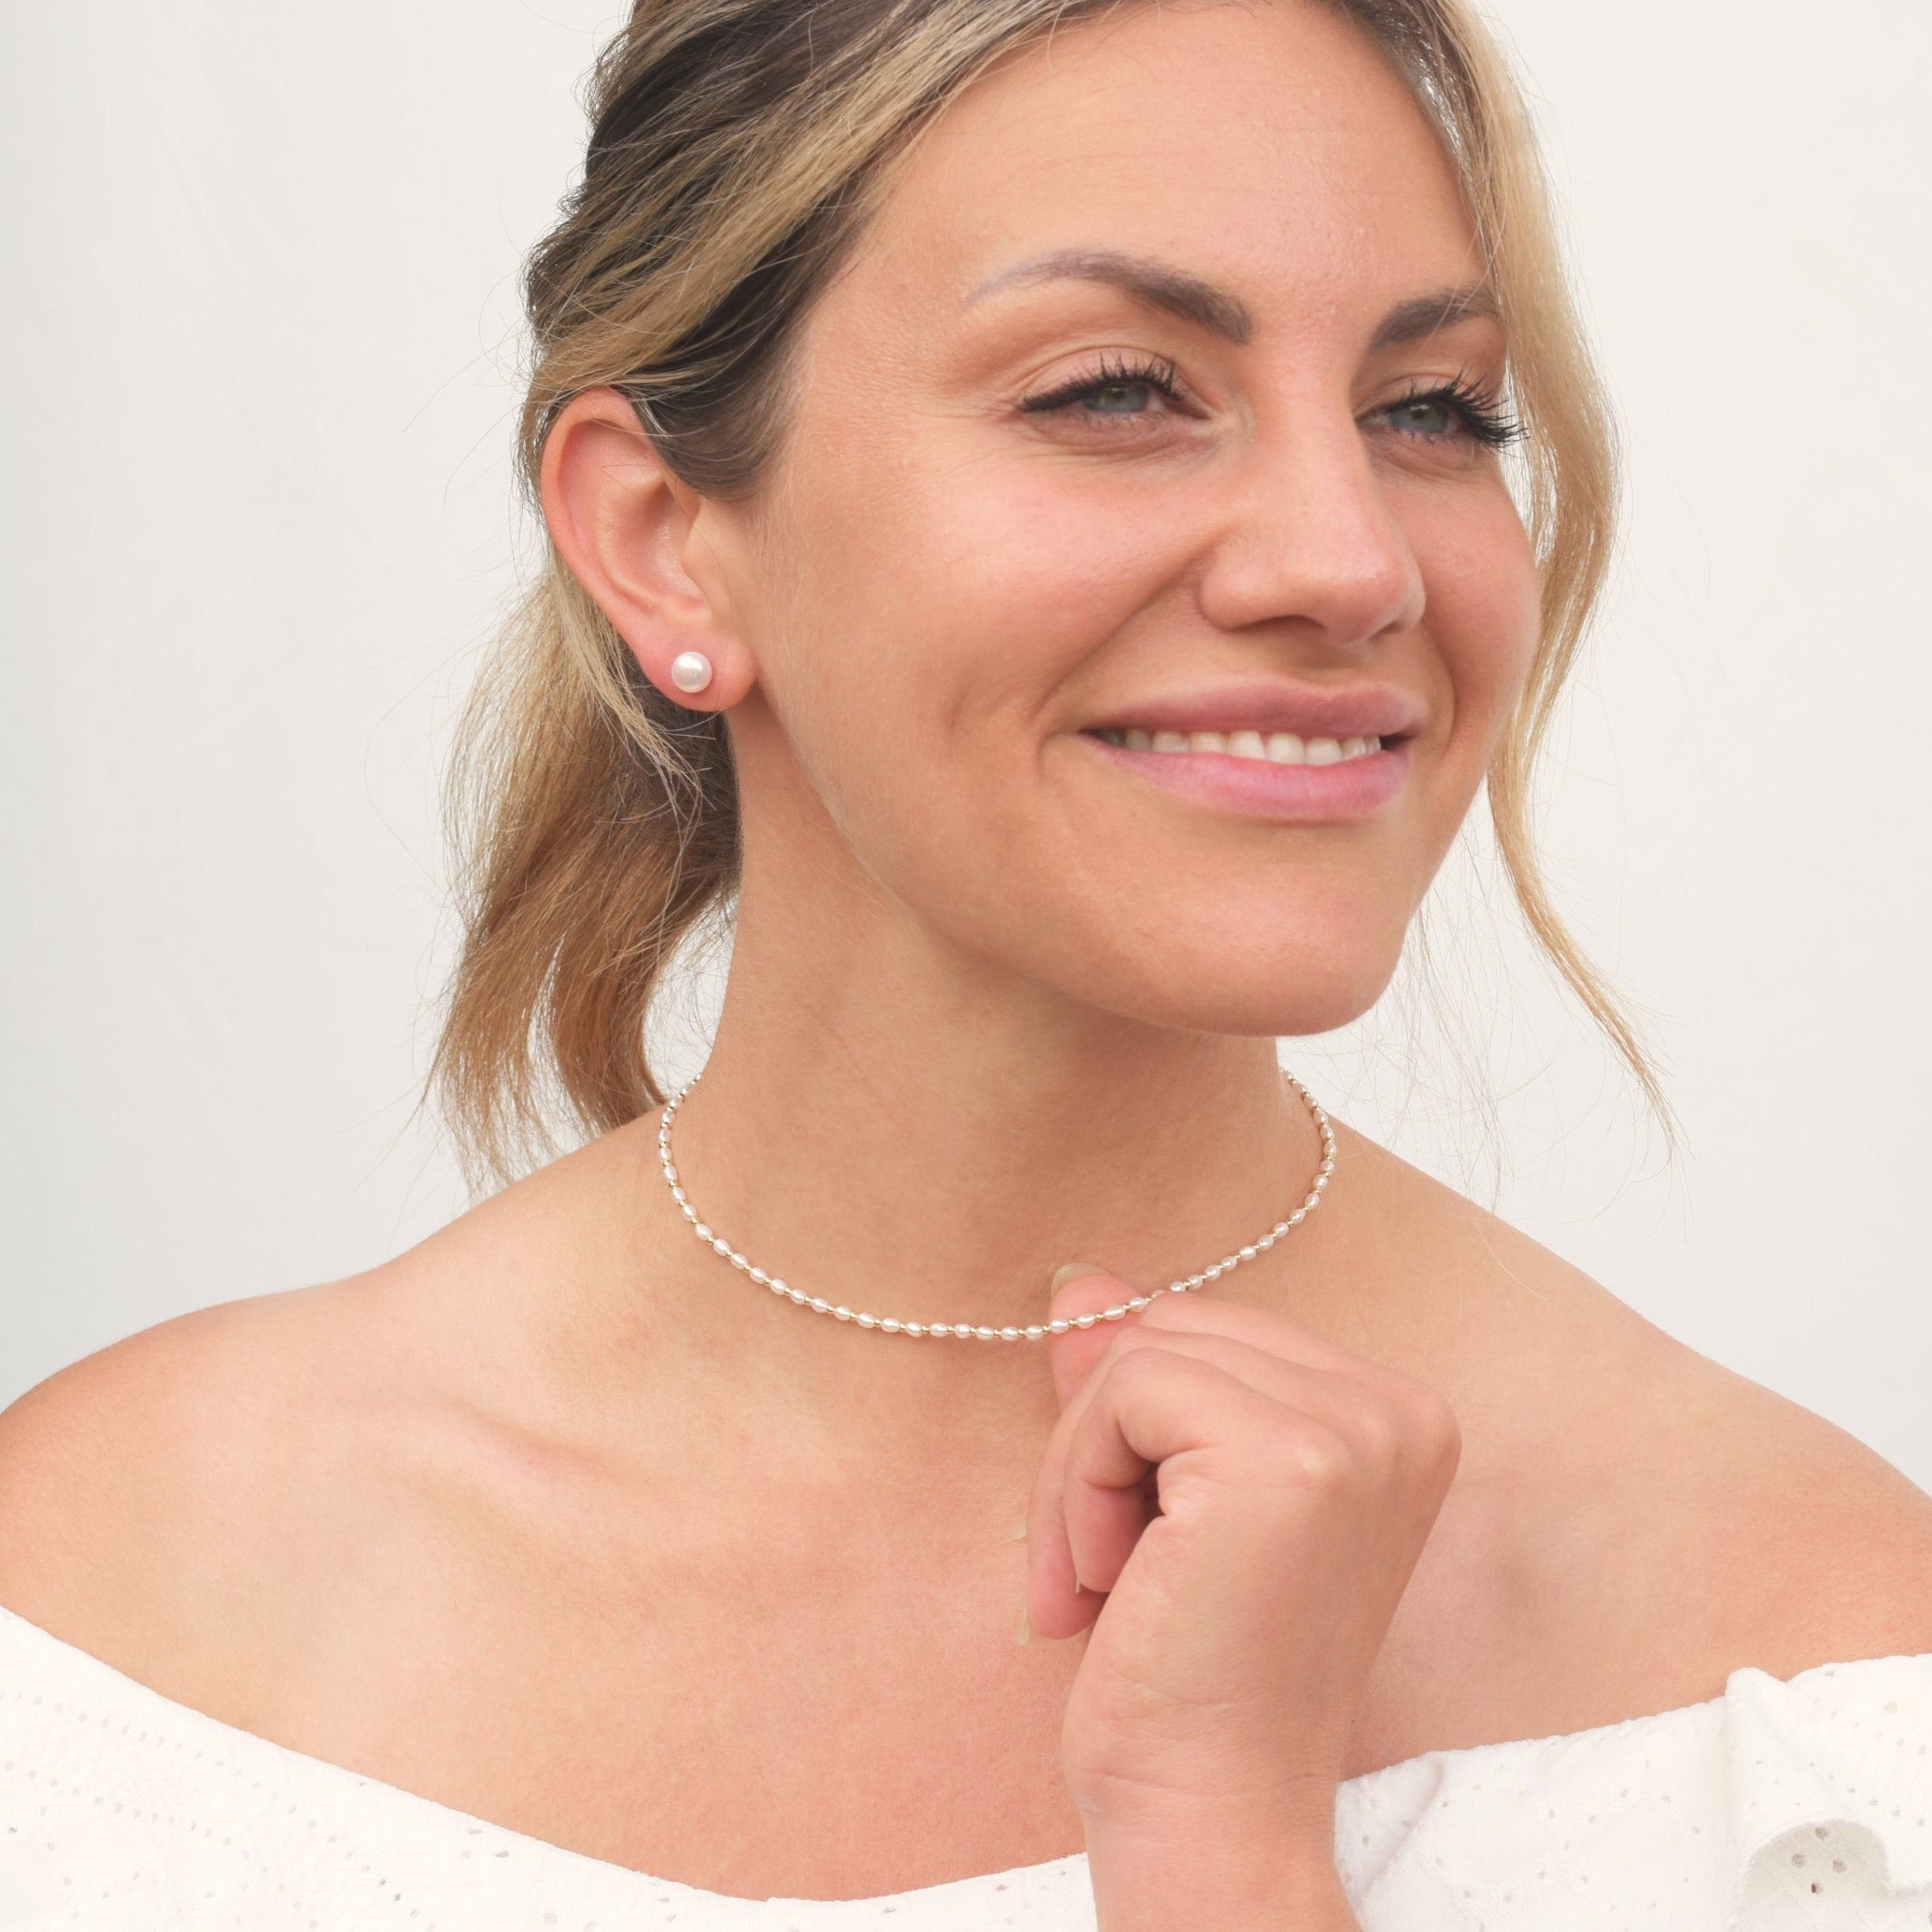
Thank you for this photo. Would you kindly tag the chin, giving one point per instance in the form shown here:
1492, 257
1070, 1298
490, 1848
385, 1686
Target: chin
1277, 1005
1306, 973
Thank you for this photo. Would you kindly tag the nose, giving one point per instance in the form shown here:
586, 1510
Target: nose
1308, 538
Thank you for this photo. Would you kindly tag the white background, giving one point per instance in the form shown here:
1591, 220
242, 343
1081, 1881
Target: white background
260, 337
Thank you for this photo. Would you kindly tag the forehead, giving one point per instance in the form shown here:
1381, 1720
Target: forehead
1267, 146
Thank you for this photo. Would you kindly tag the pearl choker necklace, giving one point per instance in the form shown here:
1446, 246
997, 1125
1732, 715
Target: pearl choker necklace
1034, 1330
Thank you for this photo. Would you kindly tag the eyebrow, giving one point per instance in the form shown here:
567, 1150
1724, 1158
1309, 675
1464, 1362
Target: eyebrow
1424, 315
1215, 308
1151, 282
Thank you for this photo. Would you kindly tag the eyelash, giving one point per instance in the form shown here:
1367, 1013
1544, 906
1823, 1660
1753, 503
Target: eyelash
1156, 372
1477, 406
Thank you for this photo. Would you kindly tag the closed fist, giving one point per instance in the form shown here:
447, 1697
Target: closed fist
1234, 1506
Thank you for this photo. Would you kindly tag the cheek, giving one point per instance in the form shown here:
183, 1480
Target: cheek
948, 606
1484, 619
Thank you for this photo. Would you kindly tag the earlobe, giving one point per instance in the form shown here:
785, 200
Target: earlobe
621, 523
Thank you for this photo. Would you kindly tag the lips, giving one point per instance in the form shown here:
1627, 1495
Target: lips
1357, 711
1299, 792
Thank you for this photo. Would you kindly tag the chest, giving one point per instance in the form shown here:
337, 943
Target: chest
793, 1702
751, 1729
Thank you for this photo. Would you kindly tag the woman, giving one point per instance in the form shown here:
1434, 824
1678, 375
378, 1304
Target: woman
1035, 533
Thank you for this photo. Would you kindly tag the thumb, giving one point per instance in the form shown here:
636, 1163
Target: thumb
1082, 1288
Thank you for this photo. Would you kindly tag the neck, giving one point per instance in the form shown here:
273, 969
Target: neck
890, 1126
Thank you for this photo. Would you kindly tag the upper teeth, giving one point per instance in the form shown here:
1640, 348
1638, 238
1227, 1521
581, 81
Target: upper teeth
1277, 747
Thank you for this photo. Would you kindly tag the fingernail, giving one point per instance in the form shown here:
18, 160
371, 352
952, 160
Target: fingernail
1026, 1627
1020, 1534
1062, 1276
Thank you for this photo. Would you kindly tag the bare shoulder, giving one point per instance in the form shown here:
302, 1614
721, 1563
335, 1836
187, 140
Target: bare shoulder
1633, 1520
284, 1473
1780, 1537
133, 1481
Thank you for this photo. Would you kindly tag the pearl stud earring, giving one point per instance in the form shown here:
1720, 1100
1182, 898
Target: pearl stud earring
690, 670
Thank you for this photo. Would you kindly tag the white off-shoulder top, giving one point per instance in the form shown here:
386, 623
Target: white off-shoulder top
1778, 1806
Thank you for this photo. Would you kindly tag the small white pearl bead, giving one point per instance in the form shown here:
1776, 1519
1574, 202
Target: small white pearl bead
690, 670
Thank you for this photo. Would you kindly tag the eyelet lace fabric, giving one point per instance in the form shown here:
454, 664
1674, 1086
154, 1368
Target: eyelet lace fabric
1782, 1806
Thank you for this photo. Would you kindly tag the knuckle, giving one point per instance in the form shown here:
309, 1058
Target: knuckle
1132, 1356
1418, 1413
1311, 1456
1126, 1339
1383, 1431
1431, 1422
1429, 1438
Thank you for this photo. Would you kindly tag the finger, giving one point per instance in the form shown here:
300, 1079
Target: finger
1169, 1410
1079, 1541
1389, 1392
1090, 1504
1081, 1289
1084, 1289
1061, 1596
1200, 1312
1356, 1406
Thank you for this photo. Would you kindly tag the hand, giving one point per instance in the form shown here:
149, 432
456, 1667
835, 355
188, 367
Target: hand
1235, 1507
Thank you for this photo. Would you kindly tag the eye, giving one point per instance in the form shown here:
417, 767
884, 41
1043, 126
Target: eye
1120, 388
1447, 412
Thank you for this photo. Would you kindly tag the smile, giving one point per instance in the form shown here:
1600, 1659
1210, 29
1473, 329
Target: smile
1280, 776
1273, 747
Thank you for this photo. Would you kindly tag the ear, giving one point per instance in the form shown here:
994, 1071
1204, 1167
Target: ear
638, 542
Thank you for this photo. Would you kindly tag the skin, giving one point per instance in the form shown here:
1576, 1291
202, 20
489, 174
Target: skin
514, 1517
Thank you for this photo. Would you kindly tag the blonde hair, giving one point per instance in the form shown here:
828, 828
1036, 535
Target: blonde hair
733, 146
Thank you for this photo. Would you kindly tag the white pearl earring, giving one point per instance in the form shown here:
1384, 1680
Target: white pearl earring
690, 670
